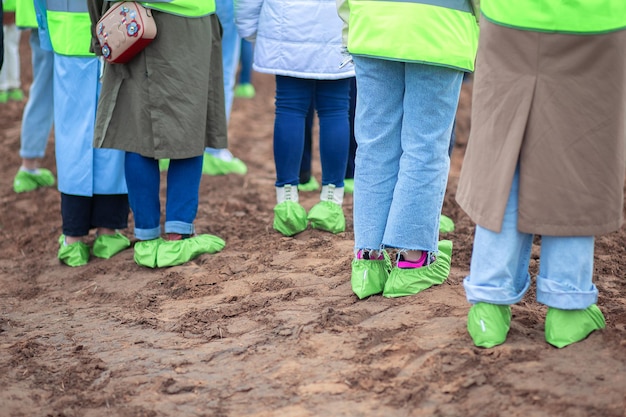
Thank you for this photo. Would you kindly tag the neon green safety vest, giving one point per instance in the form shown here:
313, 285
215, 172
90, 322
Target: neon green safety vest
25, 16
69, 26
438, 32
187, 8
8, 5
571, 16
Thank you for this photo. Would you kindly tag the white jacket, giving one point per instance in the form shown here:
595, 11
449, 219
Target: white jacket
295, 38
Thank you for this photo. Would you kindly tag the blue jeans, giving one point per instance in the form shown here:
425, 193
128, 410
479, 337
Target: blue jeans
39, 111
293, 101
183, 182
403, 122
499, 265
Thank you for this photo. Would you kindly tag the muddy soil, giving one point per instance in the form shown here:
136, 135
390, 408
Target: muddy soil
269, 326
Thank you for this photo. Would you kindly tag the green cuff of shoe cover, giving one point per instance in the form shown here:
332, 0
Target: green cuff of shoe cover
488, 324
403, 282
327, 216
146, 252
446, 225
369, 276
76, 254
105, 246
564, 327
178, 252
289, 218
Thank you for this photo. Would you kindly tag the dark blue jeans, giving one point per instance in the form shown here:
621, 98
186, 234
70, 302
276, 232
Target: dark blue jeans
183, 182
293, 100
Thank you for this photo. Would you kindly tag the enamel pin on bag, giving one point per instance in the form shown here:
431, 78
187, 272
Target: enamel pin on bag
124, 30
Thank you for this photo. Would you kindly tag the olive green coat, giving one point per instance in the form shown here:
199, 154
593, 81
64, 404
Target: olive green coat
168, 101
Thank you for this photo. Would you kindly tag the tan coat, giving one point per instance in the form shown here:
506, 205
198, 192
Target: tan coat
562, 116
168, 102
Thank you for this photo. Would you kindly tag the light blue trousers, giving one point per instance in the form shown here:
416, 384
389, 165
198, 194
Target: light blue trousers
499, 266
403, 122
39, 111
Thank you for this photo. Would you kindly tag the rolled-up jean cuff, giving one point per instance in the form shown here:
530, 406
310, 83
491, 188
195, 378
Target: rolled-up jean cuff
148, 234
179, 227
492, 295
556, 295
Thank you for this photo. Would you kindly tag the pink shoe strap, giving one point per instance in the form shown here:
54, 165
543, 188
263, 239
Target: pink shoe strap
403, 264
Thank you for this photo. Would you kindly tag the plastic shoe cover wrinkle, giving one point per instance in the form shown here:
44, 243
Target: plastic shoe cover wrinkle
328, 216
105, 246
75, 254
369, 276
178, 252
289, 218
404, 282
564, 327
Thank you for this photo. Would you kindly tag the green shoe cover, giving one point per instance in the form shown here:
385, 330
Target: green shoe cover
564, 327
403, 282
327, 216
27, 181
178, 252
289, 218
212, 165
146, 252
369, 276
4, 96
348, 185
76, 254
164, 164
105, 246
488, 324
245, 90
312, 185
16, 94
446, 225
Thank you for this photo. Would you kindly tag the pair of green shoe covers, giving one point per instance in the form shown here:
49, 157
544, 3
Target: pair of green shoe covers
489, 324
371, 277
105, 246
159, 253
290, 218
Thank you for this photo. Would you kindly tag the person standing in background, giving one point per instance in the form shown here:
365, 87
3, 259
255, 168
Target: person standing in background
166, 103
300, 43
10, 74
38, 114
545, 157
409, 59
91, 181
244, 87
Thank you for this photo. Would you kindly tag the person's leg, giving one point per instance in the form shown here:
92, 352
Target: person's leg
183, 184
352, 150
182, 244
36, 121
498, 275
244, 88
222, 161
565, 285
143, 181
12, 65
76, 222
377, 128
293, 100
307, 181
429, 107
332, 102
109, 215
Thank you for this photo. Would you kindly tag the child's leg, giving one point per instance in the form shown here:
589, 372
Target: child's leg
565, 285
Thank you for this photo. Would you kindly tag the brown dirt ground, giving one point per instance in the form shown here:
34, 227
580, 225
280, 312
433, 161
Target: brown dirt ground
269, 326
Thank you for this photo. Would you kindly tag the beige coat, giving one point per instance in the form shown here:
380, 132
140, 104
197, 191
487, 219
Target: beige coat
168, 101
561, 115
